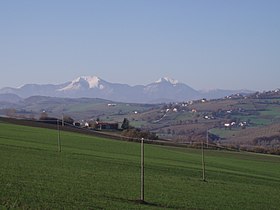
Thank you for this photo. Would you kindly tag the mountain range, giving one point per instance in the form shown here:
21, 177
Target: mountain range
161, 91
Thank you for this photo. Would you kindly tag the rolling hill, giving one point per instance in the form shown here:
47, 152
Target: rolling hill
98, 173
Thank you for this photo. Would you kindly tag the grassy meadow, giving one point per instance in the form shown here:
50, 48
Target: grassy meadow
97, 173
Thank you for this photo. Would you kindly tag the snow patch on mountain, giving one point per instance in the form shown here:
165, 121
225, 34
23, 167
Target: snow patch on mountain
167, 79
84, 82
93, 81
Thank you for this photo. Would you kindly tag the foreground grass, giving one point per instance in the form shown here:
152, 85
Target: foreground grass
95, 173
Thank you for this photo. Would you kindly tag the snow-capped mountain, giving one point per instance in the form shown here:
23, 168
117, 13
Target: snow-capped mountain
168, 89
167, 80
84, 82
163, 90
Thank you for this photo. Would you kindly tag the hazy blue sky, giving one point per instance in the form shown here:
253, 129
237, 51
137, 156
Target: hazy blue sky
229, 44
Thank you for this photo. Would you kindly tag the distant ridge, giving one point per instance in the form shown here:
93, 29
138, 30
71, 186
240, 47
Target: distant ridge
10, 98
161, 91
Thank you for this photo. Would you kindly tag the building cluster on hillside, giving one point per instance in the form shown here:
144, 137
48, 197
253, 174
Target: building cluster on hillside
232, 124
236, 96
98, 125
266, 94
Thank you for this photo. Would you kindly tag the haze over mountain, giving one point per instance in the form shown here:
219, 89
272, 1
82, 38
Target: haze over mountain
162, 90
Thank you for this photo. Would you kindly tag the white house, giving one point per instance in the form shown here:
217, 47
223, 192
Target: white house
227, 125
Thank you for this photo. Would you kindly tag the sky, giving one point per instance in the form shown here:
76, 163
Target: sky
206, 44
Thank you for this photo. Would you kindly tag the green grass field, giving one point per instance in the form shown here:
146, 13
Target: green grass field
225, 133
96, 173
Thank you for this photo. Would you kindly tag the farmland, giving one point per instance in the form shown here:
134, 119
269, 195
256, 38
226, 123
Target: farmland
97, 173
184, 122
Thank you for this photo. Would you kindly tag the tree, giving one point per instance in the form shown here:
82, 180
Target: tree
10, 112
138, 133
168, 131
43, 116
125, 124
68, 119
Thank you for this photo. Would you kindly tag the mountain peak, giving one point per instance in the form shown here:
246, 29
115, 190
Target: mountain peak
168, 80
84, 82
93, 81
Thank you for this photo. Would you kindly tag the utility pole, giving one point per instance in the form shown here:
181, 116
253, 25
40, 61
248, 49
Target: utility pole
207, 138
203, 162
62, 120
142, 171
58, 136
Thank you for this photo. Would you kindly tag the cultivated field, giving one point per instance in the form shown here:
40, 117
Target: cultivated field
96, 173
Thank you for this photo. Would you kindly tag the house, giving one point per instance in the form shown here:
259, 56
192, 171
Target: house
227, 125
203, 100
106, 126
77, 124
243, 124
194, 111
